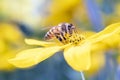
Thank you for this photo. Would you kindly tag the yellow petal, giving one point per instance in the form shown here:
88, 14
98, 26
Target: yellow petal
97, 62
109, 36
78, 57
112, 41
30, 57
40, 43
87, 33
108, 29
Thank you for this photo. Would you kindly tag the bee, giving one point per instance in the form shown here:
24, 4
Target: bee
60, 31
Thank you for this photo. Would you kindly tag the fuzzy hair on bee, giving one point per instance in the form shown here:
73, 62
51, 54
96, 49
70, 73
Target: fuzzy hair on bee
60, 31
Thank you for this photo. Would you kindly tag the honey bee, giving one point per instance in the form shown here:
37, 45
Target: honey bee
60, 31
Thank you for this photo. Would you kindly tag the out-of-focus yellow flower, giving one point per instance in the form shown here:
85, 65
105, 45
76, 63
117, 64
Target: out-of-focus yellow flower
4, 60
60, 11
10, 32
78, 56
2, 46
11, 39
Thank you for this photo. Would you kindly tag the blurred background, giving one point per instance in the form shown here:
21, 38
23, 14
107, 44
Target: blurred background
21, 19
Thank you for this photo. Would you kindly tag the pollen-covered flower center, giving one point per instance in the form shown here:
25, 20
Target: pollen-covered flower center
74, 38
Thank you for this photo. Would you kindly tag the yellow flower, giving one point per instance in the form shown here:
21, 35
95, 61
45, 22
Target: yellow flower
11, 39
5, 65
77, 53
10, 32
61, 12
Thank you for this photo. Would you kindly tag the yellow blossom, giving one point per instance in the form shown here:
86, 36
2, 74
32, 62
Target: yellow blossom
10, 39
76, 53
61, 12
5, 65
10, 32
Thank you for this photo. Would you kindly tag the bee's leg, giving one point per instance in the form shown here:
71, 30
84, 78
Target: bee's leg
63, 36
59, 38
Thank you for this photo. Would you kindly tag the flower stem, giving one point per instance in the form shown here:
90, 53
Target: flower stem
82, 75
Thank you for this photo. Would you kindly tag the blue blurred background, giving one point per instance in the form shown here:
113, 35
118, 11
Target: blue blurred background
21, 19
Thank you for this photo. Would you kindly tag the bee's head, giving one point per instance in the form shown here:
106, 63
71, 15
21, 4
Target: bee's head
69, 25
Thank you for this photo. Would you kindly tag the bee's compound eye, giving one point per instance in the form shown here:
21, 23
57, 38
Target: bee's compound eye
69, 26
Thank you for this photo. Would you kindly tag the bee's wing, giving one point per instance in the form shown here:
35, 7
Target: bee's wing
44, 28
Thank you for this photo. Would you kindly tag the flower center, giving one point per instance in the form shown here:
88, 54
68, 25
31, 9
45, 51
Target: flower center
73, 38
